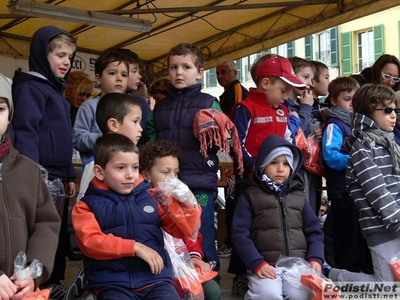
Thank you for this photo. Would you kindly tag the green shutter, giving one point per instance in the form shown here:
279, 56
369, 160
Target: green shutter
239, 65
290, 49
334, 47
309, 47
213, 77
379, 47
202, 82
347, 61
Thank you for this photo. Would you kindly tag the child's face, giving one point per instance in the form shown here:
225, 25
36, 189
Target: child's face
130, 125
134, 78
344, 100
305, 75
276, 92
386, 122
183, 71
114, 78
321, 88
60, 59
4, 113
121, 172
164, 167
278, 170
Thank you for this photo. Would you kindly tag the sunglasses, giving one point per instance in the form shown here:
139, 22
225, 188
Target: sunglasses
389, 110
81, 94
390, 77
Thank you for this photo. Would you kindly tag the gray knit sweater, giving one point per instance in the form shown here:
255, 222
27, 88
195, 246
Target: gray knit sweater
373, 185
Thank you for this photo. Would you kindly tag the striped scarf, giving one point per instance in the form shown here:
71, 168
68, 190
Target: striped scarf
5, 145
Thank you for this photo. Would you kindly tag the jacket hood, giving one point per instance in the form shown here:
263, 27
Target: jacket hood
271, 142
38, 61
359, 123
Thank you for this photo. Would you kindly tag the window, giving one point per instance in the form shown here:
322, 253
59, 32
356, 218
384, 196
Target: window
324, 47
365, 49
282, 50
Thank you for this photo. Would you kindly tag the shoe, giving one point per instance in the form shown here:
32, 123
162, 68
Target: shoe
57, 291
326, 269
73, 256
239, 286
224, 251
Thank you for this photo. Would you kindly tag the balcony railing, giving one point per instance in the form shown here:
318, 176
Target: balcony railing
324, 57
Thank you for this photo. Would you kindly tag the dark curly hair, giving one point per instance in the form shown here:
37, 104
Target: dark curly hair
157, 149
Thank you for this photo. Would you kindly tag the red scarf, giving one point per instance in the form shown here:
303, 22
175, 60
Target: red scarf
212, 127
5, 146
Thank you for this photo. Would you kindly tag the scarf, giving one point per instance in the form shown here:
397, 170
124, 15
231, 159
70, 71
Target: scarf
5, 145
339, 113
271, 184
212, 127
371, 137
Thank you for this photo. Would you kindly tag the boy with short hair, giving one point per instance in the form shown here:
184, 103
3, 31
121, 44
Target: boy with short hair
159, 160
274, 218
30, 220
172, 119
42, 125
115, 113
350, 250
117, 225
111, 71
320, 80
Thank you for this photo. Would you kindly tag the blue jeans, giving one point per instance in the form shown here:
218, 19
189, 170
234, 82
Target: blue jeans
206, 198
158, 291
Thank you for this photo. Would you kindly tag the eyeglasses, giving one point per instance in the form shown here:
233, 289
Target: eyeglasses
389, 110
81, 94
223, 72
390, 77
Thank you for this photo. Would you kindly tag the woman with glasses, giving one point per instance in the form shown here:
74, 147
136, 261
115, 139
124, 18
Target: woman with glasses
79, 89
385, 70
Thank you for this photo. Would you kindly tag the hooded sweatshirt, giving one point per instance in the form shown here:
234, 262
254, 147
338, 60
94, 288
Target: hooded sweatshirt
373, 184
41, 123
267, 223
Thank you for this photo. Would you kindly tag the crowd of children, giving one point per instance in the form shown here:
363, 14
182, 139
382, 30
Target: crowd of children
128, 149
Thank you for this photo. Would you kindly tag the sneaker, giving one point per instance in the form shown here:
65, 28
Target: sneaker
239, 286
57, 291
326, 269
224, 251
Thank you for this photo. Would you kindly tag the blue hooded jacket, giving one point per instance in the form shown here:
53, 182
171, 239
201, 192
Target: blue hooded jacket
41, 123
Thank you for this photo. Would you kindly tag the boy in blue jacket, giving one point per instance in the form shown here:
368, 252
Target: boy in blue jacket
41, 123
273, 209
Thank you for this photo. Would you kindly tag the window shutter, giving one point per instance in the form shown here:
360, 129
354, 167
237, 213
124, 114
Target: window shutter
213, 77
334, 47
308, 46
239, 65
379, 47
347, 62
290, 49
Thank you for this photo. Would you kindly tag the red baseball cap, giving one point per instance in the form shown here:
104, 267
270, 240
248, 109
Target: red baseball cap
282, 68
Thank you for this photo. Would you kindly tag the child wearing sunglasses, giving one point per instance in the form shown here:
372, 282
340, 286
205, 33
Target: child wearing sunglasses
372, 177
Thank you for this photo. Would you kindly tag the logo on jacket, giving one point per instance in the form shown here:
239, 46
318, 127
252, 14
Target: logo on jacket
210, 163
280, 112
149, 209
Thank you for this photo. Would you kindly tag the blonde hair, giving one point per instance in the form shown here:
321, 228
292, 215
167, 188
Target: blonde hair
79, 81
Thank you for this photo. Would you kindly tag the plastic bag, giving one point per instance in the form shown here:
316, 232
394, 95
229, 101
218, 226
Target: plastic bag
394, 264
299, 273
34, 270
186, 280
311, 152
180, 204
57, 190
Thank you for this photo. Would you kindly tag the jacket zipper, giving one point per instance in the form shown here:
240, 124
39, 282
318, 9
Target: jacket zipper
284, 215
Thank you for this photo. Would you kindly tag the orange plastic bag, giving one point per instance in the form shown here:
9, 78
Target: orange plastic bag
311, 152
318, 286
395, 267
38, 295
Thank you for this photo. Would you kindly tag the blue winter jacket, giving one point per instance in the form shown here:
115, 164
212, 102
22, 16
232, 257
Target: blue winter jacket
134, 216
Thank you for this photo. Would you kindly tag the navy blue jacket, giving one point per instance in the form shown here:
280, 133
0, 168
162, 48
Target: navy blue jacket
296, 231
173, 118
134, 216
41, 123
